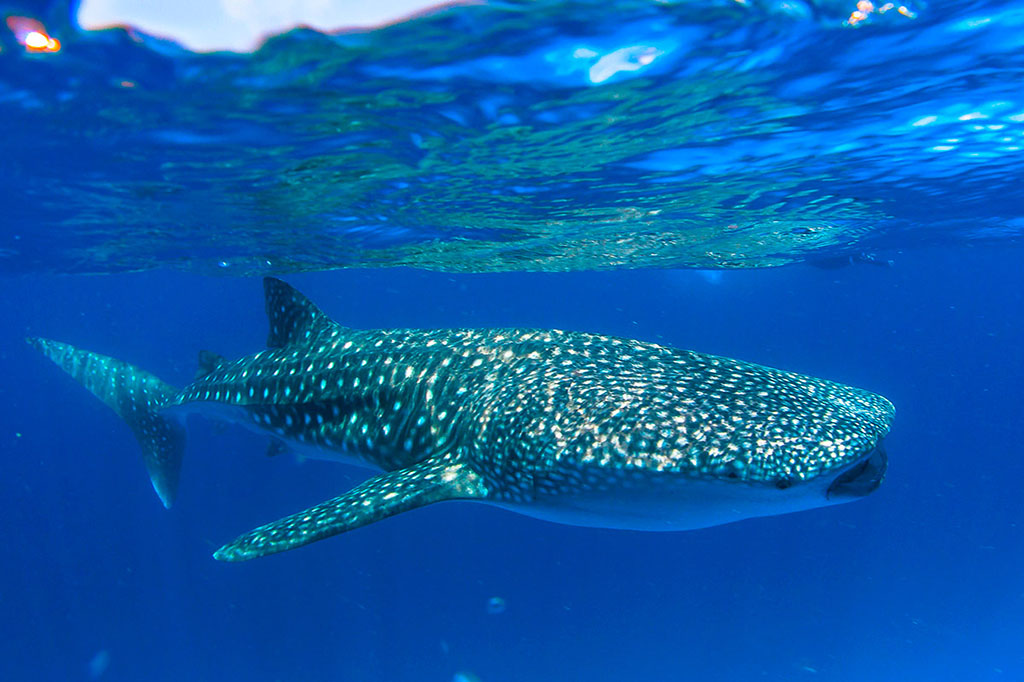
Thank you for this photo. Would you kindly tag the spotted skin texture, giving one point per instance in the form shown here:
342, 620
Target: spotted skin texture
135, 395
381, 496
521, 418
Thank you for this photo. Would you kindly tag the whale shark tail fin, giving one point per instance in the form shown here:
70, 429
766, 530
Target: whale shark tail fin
136, 396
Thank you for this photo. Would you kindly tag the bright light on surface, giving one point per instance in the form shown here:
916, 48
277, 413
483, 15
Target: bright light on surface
631, 58
241, 25
32, 34
36, 39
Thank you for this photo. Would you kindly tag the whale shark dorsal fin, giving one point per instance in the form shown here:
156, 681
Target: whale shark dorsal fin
293, 317
208, 362
377, 498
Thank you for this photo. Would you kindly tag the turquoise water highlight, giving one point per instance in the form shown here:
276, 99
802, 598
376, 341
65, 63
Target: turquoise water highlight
540, 136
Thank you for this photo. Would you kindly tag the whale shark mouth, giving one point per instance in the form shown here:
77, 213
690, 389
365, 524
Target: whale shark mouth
862, 478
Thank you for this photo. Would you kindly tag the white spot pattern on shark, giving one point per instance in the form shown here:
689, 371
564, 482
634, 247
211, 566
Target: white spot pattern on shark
573, 427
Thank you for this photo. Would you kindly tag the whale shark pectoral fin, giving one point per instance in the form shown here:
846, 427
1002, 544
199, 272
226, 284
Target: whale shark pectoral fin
382, 496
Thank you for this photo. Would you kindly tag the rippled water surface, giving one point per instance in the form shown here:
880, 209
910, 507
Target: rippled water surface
641, 138
508, 136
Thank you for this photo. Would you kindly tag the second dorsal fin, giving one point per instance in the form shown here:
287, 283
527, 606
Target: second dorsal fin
208, 361
293, 317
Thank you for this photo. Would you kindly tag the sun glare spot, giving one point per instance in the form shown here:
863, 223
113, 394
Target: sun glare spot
631, 58
32, 34
36, 40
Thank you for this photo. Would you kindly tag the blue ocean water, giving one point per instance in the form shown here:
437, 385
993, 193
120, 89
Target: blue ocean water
627, 168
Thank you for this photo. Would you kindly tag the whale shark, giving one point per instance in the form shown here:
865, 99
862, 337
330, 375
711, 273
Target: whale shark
571, 427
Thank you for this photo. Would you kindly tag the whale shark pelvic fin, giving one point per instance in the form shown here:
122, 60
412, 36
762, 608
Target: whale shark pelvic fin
385, 495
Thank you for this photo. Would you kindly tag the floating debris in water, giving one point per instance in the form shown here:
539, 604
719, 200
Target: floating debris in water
495, 606
98, 664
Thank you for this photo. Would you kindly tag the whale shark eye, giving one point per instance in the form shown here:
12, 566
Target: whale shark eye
783, 482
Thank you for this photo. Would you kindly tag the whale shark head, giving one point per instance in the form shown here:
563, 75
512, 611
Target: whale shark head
829, 452
710, 441
818, 444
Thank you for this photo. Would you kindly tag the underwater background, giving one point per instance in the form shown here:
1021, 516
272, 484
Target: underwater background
787, 183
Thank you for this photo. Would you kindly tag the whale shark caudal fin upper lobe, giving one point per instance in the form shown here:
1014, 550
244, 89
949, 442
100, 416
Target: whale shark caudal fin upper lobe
136, 396
385, 495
